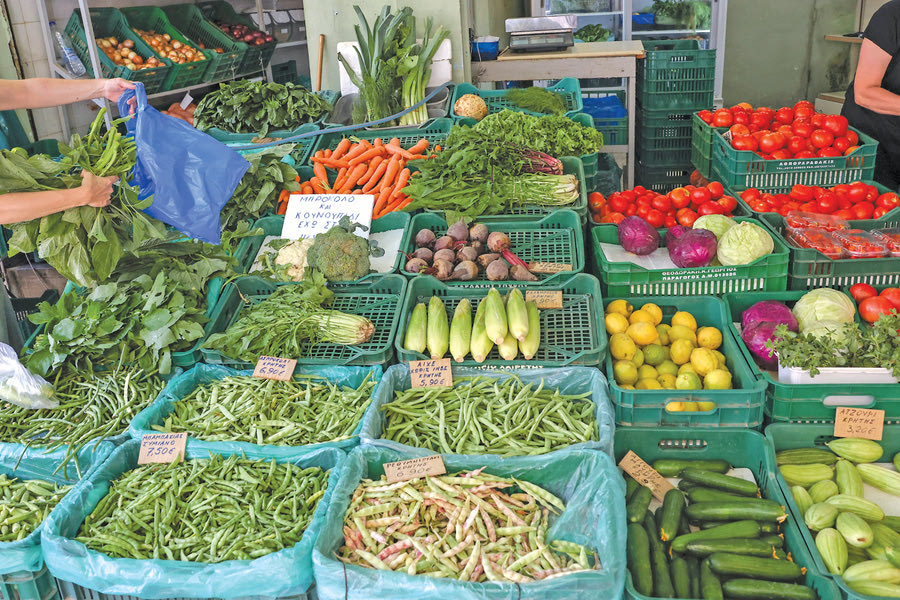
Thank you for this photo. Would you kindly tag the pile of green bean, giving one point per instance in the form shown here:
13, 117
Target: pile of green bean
24, 504
92, 406
305, 410
205, 510
459, 526
488, 416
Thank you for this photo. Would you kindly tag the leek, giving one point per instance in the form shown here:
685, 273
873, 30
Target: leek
415, 68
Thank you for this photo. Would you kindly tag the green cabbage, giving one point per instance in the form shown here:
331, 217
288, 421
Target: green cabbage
718, 224
836, 331
823, 305
743, 244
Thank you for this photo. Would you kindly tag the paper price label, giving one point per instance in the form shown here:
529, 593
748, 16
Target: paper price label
431, 373
186, 101
545, 298
272, 367
865, 423
646, 475
548, 268
309, 214
414, 467
162, 448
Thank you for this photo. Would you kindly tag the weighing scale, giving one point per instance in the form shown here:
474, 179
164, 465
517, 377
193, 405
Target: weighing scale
536, 34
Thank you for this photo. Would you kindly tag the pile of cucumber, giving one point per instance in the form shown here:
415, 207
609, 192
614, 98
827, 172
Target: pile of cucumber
852, 534
714, 537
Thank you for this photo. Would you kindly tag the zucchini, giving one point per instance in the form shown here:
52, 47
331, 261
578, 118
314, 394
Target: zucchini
705, 494
758, 509
672, 467
866, 509
737, 529
710, 587
669, 522
892, 522
725, 483
639, 559
849, 480
638, 505
631, 486
805, 456
749, 547
753, 589
681, 578
770, 569
659, 562
823, 490
875, 588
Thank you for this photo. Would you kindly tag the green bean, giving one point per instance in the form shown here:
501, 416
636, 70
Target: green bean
482, 415
25, 504
305, 410
214, 510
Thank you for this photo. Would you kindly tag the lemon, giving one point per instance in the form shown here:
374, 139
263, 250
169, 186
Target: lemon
654, 354
623, 307
621, 347
647, 372
675, 407
640, 316
667, 381
686, 368
717, 379
704, 406
682, 332
723, 362
638, 359
625, 372
667, 367
684, 318
663, 330
688, 381
616, 323
627, 387
709, 337
642, 333
680, 351
654, 311
704, 361
647, 384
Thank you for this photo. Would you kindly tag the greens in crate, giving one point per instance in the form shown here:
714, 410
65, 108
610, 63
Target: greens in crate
258, 190
554, 134
537, 99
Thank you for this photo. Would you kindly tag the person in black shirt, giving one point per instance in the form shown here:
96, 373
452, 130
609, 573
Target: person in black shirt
872, 104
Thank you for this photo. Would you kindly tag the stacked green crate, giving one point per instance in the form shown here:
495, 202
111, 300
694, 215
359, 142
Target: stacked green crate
676, 79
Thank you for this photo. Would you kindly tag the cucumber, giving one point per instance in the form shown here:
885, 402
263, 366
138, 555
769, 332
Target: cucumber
631, 486
693, 564
770, 569
639, 559
805, 456
704, 494
685, 527
767, 527
710, 587
681, 577
753, 589
659, 562
725, 483
672, 467
737, 529
669, 522
758, 509
749, 547
686, 486
773, 539
638, 505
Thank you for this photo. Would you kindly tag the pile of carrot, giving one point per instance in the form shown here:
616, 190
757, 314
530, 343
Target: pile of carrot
365, 167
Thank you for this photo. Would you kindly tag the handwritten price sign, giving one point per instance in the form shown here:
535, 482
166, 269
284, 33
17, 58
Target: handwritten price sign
646, 475
865, 423
548, 268
545, 298
430, 373
414, 467
272, 367
162, 448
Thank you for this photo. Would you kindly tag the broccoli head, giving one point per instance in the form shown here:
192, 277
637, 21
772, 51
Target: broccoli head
341, 255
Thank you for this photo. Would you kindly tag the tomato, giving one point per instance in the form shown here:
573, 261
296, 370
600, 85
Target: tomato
888, 200
777, 200
741, 117
596, 218
827, 204
804, 103
805, 154
857, 192
639, 189
696, 176
706, 116
785, 115
711, 208
836, 124
751, 194
614, 217
644, 202
670, 222
686, 217
803, 112
629, 195
744, 142
880, 211
828, 152
596, 200
817, 119
893, 296
631, 210
699, 196
771, 142
782, 154
680, 198
716, 189
872, 308
872, 193
618, 203
809, 207
841, 143
662, 203
801, 193
643, 211
853, 137
843, 213
722, 118
739, 130
743, 105
850, 150
863, 210
796, 144
760, 206
802, 128
760, 120
655, 218
821, 138
728, 203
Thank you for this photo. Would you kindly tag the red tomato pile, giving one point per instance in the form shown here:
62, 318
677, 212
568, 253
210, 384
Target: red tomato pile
786, 133
680, 206
872, 304
857, 200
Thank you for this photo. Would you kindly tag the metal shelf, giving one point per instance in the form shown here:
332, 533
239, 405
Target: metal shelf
291, 44
667, 31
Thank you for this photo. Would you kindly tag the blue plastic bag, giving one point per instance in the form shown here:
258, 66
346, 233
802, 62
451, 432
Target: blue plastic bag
568, 380
586, 480
190, 175
182, 385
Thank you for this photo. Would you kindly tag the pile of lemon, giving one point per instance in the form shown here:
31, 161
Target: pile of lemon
652, 355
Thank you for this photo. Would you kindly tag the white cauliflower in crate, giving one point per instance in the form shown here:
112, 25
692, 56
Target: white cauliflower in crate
293, 254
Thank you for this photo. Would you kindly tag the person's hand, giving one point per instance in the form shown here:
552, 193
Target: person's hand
96, 190
114, 88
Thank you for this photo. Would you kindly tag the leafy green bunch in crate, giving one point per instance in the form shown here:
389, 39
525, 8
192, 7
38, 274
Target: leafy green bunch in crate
694, 14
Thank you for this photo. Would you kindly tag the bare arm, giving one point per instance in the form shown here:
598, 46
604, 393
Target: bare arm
867, 90
16, 207
44, 92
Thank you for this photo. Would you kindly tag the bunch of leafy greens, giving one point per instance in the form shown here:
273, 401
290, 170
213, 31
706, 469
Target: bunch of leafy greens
693, 14
257, 192
258, 107
537, 99
849, 345
554, 134
593, 33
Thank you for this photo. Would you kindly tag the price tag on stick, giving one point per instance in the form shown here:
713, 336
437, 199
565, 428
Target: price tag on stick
162, 448
646, 475
545, 298
414, 467
865, 423
272, 367
430, 373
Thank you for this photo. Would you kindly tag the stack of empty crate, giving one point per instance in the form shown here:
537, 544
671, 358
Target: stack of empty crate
676, 79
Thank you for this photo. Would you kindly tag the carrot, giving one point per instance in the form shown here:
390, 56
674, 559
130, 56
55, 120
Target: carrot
398, 151
341, 149
377, 142
282, 201
358, 149
307, 189
366, 156
372, 182
393, 204
339, 180
319, 186
319, 154
402, 179
394, 142
403, 204
380, 203
392, 169
437, 148
319, 170
354, 175
330, 162
372, 167
326, 152
419, 147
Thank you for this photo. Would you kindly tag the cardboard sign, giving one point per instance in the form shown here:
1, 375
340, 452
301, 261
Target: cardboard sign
414, 467
272, 367
548, 268
646, 475
162, 448
431, 373
865, 423
545, 298
309, 214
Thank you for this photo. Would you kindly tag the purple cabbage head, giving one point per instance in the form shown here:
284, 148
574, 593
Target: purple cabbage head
638, 236
756, 336
673, 233
695, 248
769, 310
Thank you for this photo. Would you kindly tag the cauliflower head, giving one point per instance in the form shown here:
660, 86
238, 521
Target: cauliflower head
294, 254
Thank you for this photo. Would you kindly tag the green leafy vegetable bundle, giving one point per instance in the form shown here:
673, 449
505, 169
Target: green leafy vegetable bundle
258, 190
593, 33
554, 134
258, 107
537, 99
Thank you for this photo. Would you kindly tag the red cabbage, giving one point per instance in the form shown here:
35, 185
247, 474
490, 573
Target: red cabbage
769, 310
756, 336
638, 236
695, 248
673, 233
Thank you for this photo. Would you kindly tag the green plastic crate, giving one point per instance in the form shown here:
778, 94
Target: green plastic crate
810, 269
435, 132
496, 100
284, 72
747, 449
702, 145
783, 436
378, 300
222, 65
741, 406
111, 22
23, 307
808, 403
676, 74
255, 58
26, 585
664, 178
303, 147
767, 273
248, 247
151, 18
572, 335
556, 238
742, 169
663, 137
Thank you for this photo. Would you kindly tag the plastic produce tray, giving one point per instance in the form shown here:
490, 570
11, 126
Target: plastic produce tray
664, 178
571, 335
768, 273
676, 74
496, 100
255, 57
152, 18
555, 238
110, 21
303, 148
190, 21
808, 403
28, 585
26, 306
378, 300
610, 117
741, 406
702, 144
741, 448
